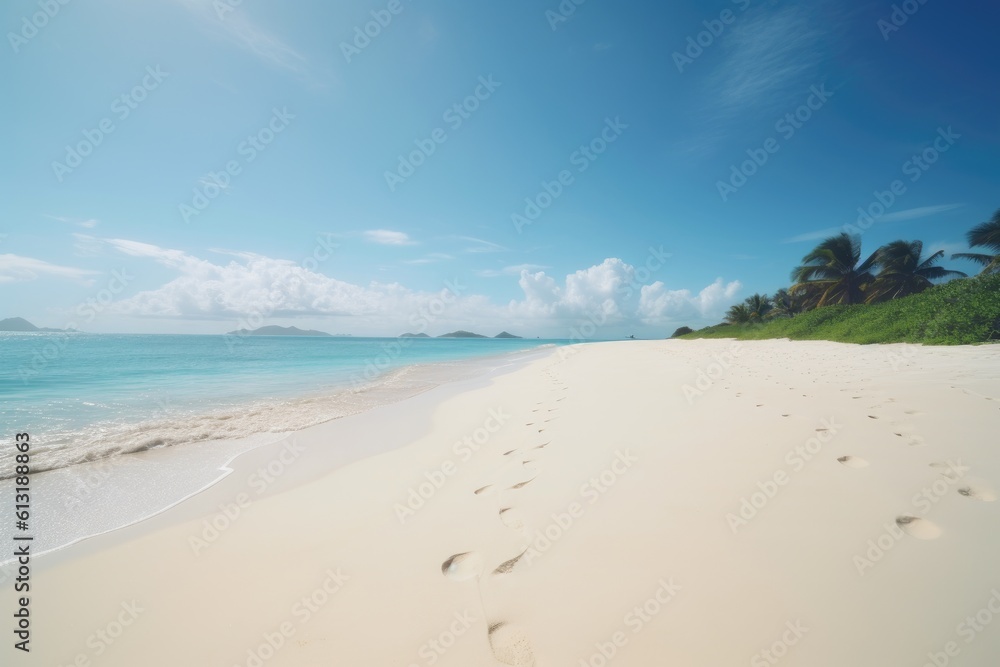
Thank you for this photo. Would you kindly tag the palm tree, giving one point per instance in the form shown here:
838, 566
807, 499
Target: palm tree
785, 304
738, 314
903, 271
831, 273
987, 235
759, 305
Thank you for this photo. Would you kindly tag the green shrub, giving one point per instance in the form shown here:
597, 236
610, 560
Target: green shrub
957, 313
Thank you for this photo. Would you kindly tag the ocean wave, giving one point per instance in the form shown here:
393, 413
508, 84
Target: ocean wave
103, 440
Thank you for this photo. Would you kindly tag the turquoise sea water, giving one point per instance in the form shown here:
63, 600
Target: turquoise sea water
85, 397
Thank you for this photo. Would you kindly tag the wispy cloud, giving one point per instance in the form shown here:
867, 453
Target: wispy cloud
514, 270
914, 213
86, 223
898, 216
388, 237
816, 235
770, 56
15, 268
232, 23
481, 245
430, 258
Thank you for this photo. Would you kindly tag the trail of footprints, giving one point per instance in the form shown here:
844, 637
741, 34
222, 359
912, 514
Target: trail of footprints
918, 527
508, 643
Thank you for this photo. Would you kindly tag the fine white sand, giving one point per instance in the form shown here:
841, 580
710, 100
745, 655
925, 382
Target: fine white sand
637, 503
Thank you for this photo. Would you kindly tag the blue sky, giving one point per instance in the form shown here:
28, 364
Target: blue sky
318, 224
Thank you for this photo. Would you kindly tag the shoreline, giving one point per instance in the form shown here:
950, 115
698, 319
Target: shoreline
610, 513
213, 460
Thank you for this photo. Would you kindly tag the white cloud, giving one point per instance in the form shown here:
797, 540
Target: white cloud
251, 284
15, 268
388, 237
658, 304
86, 223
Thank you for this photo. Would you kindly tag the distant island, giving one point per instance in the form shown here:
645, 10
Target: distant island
469, 334
459, 334
273, 330
23, 325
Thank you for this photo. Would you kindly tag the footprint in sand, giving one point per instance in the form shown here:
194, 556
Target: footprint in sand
484, 489
507, 566
509, 518
510, 646
922, 529
977, 491
463, 566
854, 462
521, 485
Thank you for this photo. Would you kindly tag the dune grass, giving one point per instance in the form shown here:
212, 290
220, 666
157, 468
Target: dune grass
960, 312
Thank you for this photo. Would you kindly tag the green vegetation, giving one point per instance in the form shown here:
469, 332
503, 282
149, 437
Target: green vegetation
956, 313
890, 297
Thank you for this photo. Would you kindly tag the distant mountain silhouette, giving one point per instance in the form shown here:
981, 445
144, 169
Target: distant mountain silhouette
21, 324
504, 334
413, 335
273, 330
462, 334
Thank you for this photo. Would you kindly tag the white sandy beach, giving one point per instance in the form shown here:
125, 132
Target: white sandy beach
672, 503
